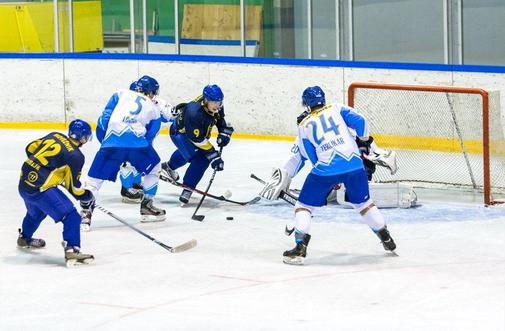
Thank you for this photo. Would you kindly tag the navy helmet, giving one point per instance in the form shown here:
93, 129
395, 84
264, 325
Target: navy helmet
133, 86
313, 96
78, 129
148, 85
213, 93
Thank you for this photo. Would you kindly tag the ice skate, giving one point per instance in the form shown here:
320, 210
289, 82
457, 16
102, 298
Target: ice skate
133, 194
168, 174
385, 238
150, 213
30, 243
297, 255
73, 256
185, 196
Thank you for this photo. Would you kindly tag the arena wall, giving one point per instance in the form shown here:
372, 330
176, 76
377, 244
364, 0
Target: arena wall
260, 98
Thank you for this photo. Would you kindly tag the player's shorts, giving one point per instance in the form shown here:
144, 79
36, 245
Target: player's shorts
52, 202
108, 160
316, 188
185, 146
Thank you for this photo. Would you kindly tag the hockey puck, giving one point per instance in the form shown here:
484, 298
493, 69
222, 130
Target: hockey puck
229, 218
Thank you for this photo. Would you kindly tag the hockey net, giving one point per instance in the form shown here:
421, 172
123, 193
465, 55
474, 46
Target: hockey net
443, 136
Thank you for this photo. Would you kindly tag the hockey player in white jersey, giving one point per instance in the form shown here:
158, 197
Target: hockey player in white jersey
130, 121
131, 179
324, 138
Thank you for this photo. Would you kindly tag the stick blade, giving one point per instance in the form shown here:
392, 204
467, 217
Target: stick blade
198, 218
254, 200
184, 247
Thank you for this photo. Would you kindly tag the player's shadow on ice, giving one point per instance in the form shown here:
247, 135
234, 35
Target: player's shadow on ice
343, 259
26, 257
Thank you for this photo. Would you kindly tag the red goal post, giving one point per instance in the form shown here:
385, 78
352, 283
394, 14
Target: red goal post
447, 135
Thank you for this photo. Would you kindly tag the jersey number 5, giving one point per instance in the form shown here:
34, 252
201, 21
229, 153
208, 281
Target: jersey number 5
139, 105
50, 148
324, 125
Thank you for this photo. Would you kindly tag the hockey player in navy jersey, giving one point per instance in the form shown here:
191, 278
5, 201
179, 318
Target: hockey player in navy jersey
53, 160
324, 138
190, 133
130, 121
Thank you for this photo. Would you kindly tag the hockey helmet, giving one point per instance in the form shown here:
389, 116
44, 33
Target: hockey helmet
213, 93
147, 84
79, 129
313, 96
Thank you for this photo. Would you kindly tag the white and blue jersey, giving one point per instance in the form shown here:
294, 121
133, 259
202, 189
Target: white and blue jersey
130, 119
325, 139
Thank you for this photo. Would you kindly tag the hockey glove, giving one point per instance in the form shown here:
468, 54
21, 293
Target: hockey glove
301, 117
224, 136
364, 146
216, 162
177, 110
279, 182
87, 201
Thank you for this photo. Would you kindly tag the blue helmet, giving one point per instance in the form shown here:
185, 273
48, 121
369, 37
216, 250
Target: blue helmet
133, 86
313, 96
213, 93
78, 129
148, 85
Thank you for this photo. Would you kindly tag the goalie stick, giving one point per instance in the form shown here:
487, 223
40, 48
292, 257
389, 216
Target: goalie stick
286, 196
210, 195
180, 248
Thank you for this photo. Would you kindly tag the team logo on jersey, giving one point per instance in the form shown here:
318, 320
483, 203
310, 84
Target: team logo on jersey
32, 176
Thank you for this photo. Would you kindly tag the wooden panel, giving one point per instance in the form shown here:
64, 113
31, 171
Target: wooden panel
220, 22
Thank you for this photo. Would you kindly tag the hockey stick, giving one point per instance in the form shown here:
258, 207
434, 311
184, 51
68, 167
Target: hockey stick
223, 197
181, 248
200, 218
286, 196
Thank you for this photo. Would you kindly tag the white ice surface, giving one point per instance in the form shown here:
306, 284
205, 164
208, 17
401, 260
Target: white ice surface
450, 273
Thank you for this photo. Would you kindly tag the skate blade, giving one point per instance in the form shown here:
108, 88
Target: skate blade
29, 248
85, 227
184, 247
70, 263
392, 253
130, 201
297, 260
152, 218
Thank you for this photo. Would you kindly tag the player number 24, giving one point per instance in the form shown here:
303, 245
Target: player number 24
326, 128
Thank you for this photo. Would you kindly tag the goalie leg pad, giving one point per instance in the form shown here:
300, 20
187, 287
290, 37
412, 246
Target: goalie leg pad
279, 181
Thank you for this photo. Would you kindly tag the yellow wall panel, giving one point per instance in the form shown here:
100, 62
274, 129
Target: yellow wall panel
9, 37
30, 27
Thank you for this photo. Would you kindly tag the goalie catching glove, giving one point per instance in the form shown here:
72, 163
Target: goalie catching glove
385, 159
279, 182
379, 156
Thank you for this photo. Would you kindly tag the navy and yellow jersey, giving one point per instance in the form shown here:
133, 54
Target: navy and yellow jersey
196, 121
52, 160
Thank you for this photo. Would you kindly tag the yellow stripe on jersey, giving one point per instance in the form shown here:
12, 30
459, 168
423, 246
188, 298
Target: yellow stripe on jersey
62, 175
205, 145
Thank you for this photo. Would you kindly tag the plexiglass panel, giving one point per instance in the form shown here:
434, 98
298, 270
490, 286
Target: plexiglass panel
401, 30
484, 32
27, 27
210, 27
